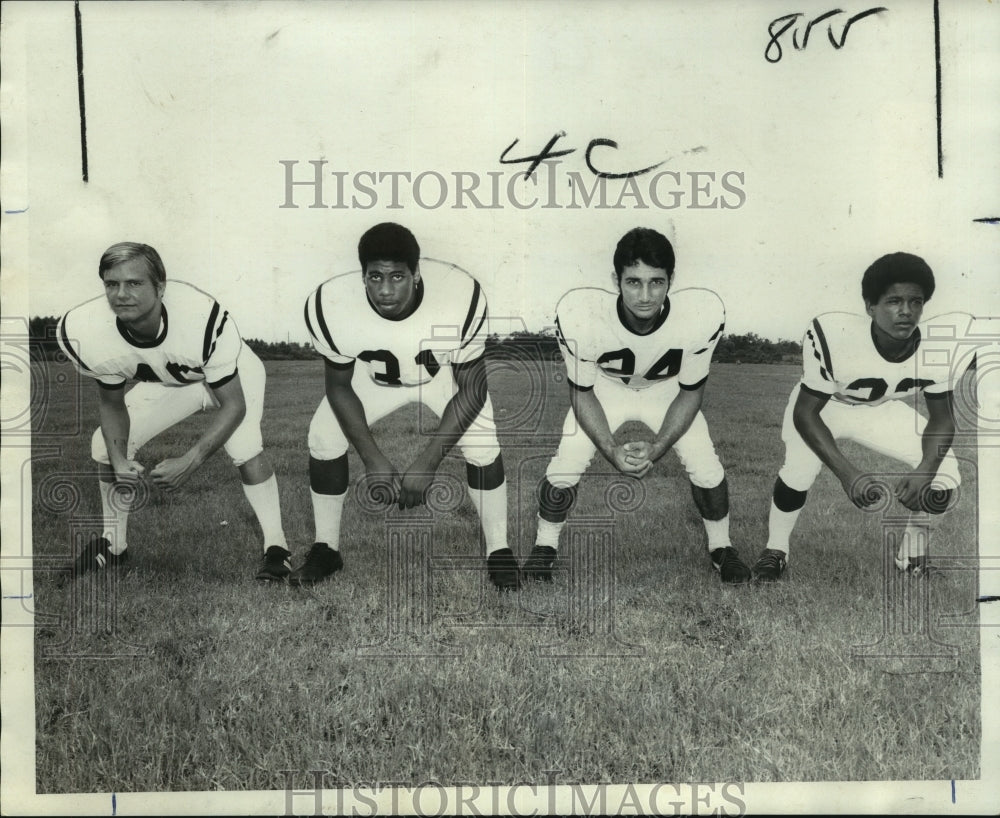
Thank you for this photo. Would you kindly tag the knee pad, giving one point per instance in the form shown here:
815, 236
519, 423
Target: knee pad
485, 478
329, 476
554, 503
787, 499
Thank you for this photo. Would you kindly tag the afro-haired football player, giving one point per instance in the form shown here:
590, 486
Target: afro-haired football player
418, 328
856, 372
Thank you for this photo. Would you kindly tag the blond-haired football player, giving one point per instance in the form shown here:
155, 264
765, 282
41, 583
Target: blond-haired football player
183, 352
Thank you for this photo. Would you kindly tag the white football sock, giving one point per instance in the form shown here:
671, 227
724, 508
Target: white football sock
779, 527
492, 507
115, 516
263, 499
327, 511
718, 533
914, 540
548, 533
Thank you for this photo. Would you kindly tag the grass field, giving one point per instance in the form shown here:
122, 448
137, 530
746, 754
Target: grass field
636, 665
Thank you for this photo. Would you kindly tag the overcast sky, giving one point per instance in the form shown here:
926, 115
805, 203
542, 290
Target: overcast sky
831, 154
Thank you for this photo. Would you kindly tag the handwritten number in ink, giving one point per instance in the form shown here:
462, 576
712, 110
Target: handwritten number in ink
850, 22
535, 161
779, 25
610, 143
810, 24
548, 153
789, 21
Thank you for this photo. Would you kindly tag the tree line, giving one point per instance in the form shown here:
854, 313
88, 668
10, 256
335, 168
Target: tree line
748, 348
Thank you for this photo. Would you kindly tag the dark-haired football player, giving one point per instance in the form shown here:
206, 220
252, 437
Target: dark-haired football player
857, 369
186, 353
638, 354
418, 328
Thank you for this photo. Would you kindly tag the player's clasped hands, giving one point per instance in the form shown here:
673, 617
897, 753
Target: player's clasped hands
911, 488
384, 483
386, 486
633, 458
413, 489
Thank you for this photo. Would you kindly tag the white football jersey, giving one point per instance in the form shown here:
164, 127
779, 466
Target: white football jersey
596, 342
840, 359
447, 327
198, 341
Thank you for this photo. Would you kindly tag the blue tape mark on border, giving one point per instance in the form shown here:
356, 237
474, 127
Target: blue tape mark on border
114, 804
988, 599
15, 212
28, 596
953, 790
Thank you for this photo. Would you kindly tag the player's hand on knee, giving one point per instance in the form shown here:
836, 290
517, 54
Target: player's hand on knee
129, 471
863, 489
172, 473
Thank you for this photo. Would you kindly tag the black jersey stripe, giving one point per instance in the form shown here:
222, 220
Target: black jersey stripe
318, 299
936, 395
559, 333
69, 347
465, 343
338, 365
718, 332
208, 345
224, 380
692, 387
305, 314
814, 392
218, 333
473, 307
827, 363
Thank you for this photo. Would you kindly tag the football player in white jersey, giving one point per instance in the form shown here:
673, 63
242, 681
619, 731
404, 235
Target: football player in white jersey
418, 328
857, 369
185, 354
637, 354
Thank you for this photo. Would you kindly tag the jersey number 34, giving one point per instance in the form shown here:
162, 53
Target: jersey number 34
621, 364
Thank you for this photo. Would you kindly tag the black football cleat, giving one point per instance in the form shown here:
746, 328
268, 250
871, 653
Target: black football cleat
770, 565
321, 562
96, 556
276, 564
538, 566
914, 566
729, 565
501, 565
